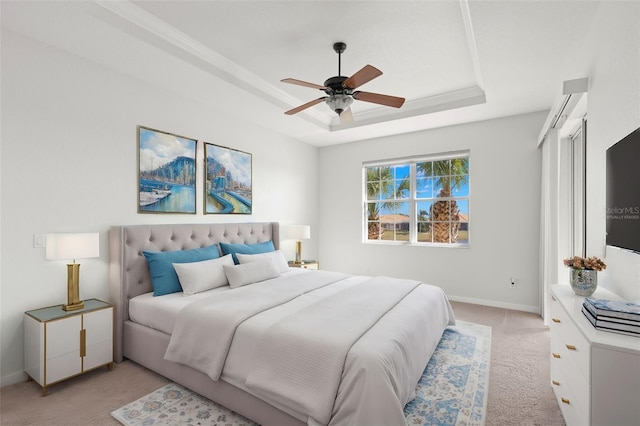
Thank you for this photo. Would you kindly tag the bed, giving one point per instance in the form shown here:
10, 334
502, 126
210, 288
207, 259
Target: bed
363, 368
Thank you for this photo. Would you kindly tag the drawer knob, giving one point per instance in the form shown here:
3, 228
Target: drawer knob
571, 347
556, 355
555, 319
565, 400
555, 382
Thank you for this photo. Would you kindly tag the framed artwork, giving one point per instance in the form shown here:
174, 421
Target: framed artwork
227, 180
166, 172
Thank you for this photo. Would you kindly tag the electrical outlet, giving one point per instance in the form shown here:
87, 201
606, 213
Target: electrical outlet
513, 283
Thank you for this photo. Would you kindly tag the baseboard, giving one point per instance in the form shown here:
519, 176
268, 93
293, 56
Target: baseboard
12, 379
493, 303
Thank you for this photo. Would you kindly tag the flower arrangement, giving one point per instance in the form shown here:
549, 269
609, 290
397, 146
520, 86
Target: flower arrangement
592, 263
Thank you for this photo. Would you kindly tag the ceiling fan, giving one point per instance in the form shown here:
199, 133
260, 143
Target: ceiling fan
341, 91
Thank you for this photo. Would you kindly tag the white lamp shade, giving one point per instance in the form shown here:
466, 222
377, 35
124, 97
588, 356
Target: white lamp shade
299, 232
73, 246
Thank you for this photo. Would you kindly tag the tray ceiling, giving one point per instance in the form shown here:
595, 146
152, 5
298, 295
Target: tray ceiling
454, 61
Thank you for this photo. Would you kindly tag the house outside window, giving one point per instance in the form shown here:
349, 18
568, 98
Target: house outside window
420, 200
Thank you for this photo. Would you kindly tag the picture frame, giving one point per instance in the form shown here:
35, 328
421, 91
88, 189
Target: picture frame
166, 172
227, 180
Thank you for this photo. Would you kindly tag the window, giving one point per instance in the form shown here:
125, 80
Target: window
572, 194
578, 193
421, 200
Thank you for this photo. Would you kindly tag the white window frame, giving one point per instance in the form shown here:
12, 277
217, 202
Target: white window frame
412, 200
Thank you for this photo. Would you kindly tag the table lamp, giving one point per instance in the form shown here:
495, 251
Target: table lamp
299, 232
72, 247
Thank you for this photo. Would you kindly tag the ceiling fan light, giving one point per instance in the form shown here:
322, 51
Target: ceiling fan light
339, 102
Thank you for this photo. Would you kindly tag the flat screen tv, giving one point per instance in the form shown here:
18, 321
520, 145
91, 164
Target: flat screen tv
623, 193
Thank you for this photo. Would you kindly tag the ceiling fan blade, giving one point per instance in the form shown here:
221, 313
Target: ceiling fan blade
305, 106
346, 117
302, 83
366, 74
376, 98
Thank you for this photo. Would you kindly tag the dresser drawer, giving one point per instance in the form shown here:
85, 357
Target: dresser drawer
573, 414
574, 388
560, 321
577, 348
571, 339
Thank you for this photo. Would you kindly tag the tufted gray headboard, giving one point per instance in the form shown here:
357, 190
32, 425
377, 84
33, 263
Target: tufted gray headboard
128, 270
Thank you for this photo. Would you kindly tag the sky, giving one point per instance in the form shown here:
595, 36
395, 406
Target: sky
238, 163
158, 149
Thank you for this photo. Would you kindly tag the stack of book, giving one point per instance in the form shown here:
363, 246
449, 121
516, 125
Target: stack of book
612, 315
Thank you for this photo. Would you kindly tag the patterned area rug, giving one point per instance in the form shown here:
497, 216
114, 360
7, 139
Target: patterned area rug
451, 391
453, 388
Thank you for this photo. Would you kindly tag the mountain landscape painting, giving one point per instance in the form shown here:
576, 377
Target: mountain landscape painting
167, 172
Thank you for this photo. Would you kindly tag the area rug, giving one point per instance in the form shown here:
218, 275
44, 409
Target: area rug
451, 391
453, 388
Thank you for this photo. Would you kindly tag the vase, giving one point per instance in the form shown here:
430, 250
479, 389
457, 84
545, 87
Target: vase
583, 281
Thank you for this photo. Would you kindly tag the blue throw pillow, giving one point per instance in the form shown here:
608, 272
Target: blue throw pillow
256, 248
163, 276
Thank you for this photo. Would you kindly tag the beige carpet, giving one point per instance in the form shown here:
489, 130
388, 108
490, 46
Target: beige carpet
519, 383
519, 389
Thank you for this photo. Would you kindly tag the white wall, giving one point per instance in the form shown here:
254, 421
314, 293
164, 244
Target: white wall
612, 63
69, 163
504, 212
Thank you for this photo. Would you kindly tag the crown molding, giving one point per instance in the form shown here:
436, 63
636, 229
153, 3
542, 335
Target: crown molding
224, 68
469, 96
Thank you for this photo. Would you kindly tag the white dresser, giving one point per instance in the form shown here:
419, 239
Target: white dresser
595, 374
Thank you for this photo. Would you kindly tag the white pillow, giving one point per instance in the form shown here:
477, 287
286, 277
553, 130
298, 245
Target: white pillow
250, 273
196, 277
276, 257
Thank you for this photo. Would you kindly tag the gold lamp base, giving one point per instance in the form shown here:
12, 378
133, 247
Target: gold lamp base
73, 288
73, 307
298, 253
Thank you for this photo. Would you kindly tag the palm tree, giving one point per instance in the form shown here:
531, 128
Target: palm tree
444, 215
423, 216
380, 180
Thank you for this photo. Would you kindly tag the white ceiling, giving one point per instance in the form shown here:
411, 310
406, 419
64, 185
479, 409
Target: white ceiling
454, 61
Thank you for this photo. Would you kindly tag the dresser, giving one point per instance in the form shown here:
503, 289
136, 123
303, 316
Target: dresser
60, 344
595, 374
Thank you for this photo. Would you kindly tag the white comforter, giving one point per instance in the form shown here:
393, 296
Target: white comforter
387, 341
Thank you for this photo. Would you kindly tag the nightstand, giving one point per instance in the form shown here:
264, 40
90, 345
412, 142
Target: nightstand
306, 264
61, 344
